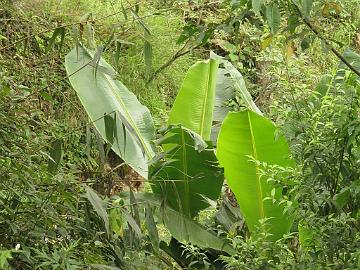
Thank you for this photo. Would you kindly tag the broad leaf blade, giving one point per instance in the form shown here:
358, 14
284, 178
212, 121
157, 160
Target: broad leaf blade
245, 134
194, 105
189, 171
102, 95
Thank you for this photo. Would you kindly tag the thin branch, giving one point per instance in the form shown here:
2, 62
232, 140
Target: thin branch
327, 43
178, 54
54, 83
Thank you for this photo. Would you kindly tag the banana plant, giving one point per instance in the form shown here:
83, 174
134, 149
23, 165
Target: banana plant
102, 97
244, 137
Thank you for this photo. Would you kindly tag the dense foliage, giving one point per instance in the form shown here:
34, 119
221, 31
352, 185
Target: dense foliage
180, 134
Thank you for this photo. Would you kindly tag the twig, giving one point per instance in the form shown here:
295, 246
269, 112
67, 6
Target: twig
178, 54
54, 83
327, 43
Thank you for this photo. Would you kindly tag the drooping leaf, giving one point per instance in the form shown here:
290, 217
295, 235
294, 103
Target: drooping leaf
186, 172
98, 205
182, 228
134, 208
132, 223
273, 17
225, 91
60, 31
151, 227
244, 135
141, 22
240, 87
56, 154
148, 56
229, 216
90, 35
110, 127
102, 95
194, 105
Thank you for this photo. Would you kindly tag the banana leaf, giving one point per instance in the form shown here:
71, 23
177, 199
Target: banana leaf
186, 172
102, 95
194, 105
245, 135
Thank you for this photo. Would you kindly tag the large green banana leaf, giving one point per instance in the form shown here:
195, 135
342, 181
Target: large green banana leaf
194, 105
101, 95
186, 172
244, 135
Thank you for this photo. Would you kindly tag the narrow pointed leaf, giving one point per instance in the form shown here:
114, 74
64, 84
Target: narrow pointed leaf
256, 5
306, 6
151, 226
99, 207
148, 56
56, 154
102, 95
194, 105
244, 135
273, 17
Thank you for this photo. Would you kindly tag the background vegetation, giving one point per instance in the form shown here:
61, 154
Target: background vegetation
66, 200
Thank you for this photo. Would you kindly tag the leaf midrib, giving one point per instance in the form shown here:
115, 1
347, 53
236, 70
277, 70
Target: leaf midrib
185, 172
258, 182
129, 116
203, 110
